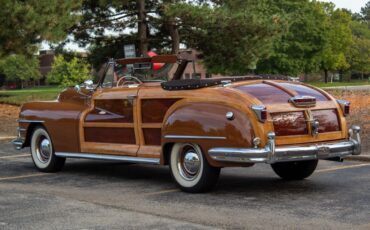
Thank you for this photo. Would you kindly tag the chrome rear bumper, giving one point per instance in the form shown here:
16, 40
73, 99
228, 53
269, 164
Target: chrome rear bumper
272, 154
18, 143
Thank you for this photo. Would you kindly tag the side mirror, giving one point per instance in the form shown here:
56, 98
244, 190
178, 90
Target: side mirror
78, 88
89, 84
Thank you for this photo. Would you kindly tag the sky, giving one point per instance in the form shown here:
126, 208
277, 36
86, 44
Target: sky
353, 5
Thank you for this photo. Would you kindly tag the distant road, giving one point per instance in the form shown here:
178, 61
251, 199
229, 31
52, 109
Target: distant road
353, 88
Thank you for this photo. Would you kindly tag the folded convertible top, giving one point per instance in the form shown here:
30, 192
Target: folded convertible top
187, 84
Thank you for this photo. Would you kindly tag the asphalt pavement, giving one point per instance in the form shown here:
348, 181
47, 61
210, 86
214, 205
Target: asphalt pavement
109, 195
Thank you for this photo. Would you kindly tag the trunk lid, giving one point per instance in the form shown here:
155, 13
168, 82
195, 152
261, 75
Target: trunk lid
316, 119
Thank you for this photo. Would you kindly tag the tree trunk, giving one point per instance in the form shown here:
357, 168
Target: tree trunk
174, 33
142, 28
326, 75
362, 75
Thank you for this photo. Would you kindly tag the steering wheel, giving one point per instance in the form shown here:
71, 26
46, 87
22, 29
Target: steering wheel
130, 80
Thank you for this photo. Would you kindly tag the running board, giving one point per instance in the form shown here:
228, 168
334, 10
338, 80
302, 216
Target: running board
139, 160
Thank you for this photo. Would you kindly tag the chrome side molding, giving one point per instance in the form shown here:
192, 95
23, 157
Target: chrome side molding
194, 137
29, 121
138, 160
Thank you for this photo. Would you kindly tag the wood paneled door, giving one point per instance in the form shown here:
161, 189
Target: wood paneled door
109, 126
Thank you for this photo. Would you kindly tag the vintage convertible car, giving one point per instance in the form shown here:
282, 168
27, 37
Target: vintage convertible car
196, 127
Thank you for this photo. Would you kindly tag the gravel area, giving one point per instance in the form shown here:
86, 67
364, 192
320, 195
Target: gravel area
8, 118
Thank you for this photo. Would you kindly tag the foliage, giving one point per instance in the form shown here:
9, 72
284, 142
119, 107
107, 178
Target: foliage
359, 53
298, 49
25, 24
339, 40
232, 35
147, 27
365, 13
68, 73
19, 67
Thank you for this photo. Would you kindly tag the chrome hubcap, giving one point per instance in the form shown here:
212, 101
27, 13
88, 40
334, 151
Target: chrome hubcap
189, 163
43, 149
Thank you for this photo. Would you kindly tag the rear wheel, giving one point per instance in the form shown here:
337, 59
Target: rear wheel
42, 152
297, 170
190, 168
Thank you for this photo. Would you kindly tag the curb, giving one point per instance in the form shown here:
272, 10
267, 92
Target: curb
364, 158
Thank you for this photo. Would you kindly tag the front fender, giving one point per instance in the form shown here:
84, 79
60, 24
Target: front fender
60, 119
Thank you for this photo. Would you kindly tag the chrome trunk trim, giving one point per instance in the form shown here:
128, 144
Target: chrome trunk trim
139, 160
272, 154
302, 101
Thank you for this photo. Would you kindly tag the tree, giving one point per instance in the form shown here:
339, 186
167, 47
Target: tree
359, 53
300, 46
339, 40
25, 24
20, 68
365, 12
68, 73
232, 35
140, 19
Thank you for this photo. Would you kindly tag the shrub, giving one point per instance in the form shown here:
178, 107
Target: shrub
68, 73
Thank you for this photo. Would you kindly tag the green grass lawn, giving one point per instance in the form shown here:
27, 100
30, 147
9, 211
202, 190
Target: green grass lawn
18, 97
335, 84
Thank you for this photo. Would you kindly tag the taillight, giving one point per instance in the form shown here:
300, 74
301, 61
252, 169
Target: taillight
345, 106
303, 101
261, 112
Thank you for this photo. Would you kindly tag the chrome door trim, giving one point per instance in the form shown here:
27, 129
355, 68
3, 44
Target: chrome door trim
139, 160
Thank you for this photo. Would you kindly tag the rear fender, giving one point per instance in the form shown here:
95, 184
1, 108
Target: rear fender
205, 123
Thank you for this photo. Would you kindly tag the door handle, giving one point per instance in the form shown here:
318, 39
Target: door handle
131, 98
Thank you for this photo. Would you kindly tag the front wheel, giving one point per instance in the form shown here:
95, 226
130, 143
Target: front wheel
190, 168
297, 170
42, 152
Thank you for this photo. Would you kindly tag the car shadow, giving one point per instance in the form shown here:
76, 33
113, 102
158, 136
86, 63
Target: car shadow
244, 181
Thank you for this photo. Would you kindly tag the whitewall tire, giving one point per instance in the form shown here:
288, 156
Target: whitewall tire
42, 152
190, 168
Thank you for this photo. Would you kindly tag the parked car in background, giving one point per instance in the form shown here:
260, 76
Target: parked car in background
196, 127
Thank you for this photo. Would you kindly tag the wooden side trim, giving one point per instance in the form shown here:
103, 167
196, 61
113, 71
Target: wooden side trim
149, 151
104, 148
108, 125
329, 136
288, 107
151, 125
